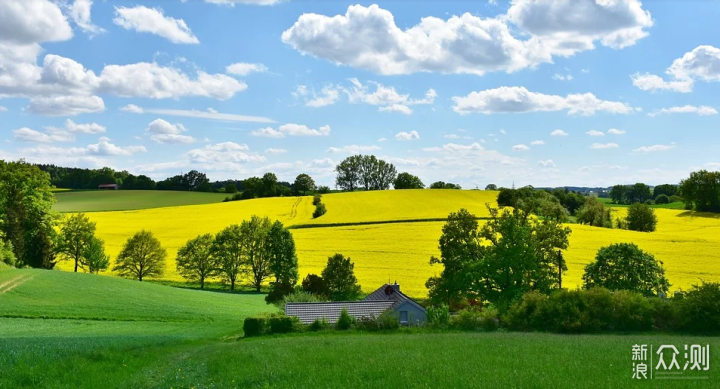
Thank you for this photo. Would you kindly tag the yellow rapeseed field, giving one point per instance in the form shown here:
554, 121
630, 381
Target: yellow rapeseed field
688, 243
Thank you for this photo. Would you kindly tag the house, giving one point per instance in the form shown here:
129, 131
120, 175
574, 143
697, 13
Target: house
386, 299
109, 186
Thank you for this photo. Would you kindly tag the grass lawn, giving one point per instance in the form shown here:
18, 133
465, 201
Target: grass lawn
121, 200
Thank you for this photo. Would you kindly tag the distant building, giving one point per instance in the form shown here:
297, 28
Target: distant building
386, 299
109, 186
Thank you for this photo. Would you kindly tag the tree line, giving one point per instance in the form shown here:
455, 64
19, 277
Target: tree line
367, 172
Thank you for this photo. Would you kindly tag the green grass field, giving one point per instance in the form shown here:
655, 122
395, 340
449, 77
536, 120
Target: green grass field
66, 330
675, 205
123, 200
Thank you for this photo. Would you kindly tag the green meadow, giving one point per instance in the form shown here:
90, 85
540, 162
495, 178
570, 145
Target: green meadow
124, 200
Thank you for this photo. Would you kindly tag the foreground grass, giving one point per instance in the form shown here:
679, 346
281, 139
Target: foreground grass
121, 200
334, 360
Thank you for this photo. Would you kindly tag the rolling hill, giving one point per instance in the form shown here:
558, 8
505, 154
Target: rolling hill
121, 200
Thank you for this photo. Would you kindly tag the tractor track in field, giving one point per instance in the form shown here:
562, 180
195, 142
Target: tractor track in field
327, 225
14, 283
294, 208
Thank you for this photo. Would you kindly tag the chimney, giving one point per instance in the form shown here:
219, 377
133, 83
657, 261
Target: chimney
395, 286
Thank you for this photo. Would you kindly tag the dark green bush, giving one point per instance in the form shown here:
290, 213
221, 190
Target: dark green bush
367, 323
489, 318
388, 322
438, 316
282, 324
468, 319
662, 199
319, 325
319, 210
254, 326
675, 199
526, 314
699, 309
663, 312
316, 199
323, 189
345, 321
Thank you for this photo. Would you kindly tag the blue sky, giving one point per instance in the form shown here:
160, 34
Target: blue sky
467, 92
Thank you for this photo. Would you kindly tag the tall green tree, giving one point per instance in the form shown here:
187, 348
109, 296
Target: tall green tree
348, 173
640, 217
594, 213
269, 185
491, 187
94, 258
195, 260
665, 189
701, 191
76, 233
618, 194
228, 250
384, 175
257, 261
304, 183
406, 180
623, 266
26, 216
339, 277
7, 256
142, 256
280, 248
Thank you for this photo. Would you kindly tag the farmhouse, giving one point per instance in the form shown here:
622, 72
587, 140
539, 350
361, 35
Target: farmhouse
386, 299
109, 186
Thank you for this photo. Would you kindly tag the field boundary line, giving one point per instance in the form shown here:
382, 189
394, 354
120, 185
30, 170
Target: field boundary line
12, 284
326, 225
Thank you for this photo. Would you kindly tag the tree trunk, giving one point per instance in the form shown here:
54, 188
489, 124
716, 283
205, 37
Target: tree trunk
202, 283
76, 265
140, 277
232, 284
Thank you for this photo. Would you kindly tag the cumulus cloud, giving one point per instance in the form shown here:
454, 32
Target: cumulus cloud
407, 135
537, 143
243, 69
558, 133
132, 108
66, 105
602, 146
80, 14
85, 128
615, 131
387, 98
701, 110
547, 163
702, 63
275, 151
29, 22
105, 148
154, 21
654, 148
3, 109
329, 95
452, 45
353, 149
223, 153
520, 100
50, 136
291, 129
164, 132
595, 133
520, 147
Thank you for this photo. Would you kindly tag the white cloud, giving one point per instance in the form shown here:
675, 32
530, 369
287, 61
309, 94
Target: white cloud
226, 152
558, 133
452, 45
602, 146
452, 136
654, 148
398, 108
291, 129
275, 151
51, 136
702, 110
520, 100
386, 97
154, 21
407, 135
615, 131
547, 163
353, 149
251, 2
164, 132
3, 109
105, 148
595, 133
66, 105
80, 14
382, 139
87, 128
702, 63
329, 95
537, 143
29, 22
243, 69
562, 77
520, 148
210, 114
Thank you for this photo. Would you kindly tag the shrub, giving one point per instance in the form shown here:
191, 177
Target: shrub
467, 320
316, 199
438, 316
663, 313
489, 318
315, 285
254, 326
623, 266
6, 253
278, 292
630, 312
298, 297
345, 321
366, 323
385, 321
323, 189
526, 314
699, 309
675, 199
319, 210
282, 324
662, 199
640, 217
318, 325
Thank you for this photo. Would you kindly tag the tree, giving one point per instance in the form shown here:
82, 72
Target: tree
315, 285
638, 193
254, 233
94, 258
304, 183
339, 276
194, 180
444, 185
228, 250
6, 253
283, 262
76, 233
662, 199
348, 173
26, 216
231, 188
623, 266
640, 217
701, 191
368, 171
384, 175
665, 189
618, 194
595, 214
142, 256
491, 187
408, 181
195, 260
269, 185
510, 255
252, 188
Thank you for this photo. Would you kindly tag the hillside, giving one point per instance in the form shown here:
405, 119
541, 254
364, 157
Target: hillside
121, 200
399, 250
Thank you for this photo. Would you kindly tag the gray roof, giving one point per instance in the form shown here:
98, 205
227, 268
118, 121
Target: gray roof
391, 292
308, 312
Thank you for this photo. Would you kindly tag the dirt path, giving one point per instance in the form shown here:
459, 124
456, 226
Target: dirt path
14, 283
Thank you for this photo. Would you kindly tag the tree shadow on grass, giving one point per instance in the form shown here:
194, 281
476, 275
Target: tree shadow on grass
709, 215
210, 287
